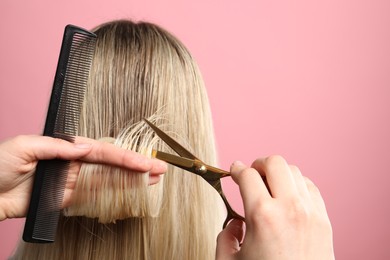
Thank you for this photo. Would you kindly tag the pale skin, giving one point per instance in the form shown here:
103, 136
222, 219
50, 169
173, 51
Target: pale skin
287, 220
19, 157
284, 219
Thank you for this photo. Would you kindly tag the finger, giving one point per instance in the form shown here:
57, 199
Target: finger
88, 150
158, 167
153, 179
299, 182
107, 153
252, 187
46, 148
278, 174
315, 194
228, 241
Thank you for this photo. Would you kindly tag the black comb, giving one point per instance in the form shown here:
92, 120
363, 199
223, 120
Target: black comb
78, 46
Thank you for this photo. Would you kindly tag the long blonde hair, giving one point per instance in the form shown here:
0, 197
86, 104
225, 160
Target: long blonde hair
140, 70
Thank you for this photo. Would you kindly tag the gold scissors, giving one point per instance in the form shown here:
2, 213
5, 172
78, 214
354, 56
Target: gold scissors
189, 162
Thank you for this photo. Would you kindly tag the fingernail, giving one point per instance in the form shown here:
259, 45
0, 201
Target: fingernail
153, 179
236, 167
83, 146
238, 163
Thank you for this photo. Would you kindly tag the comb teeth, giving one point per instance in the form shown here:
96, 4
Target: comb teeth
62, 121
75, 81
48, 210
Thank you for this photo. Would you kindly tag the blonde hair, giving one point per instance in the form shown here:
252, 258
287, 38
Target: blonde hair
140, 70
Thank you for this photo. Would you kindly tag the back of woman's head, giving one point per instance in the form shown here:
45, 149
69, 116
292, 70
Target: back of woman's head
140, 70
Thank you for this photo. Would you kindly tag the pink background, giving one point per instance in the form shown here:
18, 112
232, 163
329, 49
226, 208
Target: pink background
305, 79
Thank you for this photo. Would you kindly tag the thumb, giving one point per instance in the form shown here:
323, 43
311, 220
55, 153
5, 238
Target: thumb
228, 241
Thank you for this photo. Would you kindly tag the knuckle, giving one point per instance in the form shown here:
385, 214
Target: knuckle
247, 173
20, 139
274, 161
58, 144
124, 158
258, 161
326, 225
295, 169
99, 152
310, 185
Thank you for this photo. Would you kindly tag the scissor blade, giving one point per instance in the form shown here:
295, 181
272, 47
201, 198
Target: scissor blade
171, 142
209, 173
184, 163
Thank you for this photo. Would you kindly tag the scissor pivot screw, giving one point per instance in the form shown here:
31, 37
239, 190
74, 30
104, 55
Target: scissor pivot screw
201, 169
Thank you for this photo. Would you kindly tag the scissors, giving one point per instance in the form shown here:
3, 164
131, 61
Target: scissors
189, 162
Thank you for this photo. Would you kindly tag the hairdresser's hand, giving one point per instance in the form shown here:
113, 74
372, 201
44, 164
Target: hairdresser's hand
19, 157
288, 222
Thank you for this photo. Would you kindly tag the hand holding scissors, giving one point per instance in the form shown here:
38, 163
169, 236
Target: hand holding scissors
189, 162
